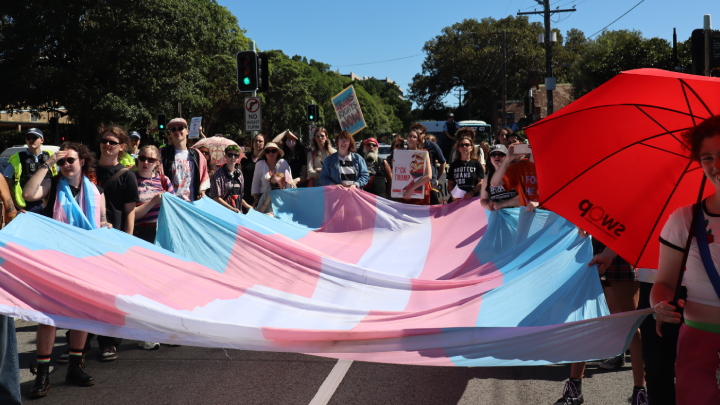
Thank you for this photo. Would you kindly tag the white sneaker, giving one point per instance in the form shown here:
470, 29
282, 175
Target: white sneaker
149, 345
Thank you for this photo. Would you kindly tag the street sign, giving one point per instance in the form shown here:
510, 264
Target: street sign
253, 114
311, 131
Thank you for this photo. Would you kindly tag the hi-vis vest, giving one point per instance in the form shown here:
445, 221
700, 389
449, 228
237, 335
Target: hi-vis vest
25, 166
128, 161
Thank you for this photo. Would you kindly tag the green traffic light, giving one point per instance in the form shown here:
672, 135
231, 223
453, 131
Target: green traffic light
312, 117
246, 81
162, 126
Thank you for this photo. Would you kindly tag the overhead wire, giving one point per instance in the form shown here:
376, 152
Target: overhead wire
380, 61
641, 1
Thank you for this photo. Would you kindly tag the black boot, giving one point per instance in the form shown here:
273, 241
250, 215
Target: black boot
75, 373
42, 380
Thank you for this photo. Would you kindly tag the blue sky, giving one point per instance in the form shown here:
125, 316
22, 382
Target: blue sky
343, 33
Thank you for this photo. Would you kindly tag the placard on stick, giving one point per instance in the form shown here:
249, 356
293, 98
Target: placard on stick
194, 132
408, 167
348, 111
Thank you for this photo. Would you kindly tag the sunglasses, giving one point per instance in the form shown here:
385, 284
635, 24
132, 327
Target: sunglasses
497, 155
31, 138
271, 151
320, 135
233, 155
465, 145
61, 162
147, 159
177, 129
109, 142
398, 146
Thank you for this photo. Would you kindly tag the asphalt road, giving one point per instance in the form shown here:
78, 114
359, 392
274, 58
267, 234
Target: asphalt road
195, 375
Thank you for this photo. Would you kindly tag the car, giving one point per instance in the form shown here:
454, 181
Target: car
7, 153
384, 150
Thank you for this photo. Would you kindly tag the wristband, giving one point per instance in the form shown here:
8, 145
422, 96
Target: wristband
46, 166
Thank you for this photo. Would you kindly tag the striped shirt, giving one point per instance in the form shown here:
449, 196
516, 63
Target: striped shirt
347, 170
147, 188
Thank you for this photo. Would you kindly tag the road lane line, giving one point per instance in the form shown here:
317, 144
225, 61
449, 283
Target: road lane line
333, 380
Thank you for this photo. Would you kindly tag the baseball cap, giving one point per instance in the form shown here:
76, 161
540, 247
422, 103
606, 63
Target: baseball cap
135, 134
498, 148
36, 132
451, 115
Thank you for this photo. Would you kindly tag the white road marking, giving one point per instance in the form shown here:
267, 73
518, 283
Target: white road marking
333, 380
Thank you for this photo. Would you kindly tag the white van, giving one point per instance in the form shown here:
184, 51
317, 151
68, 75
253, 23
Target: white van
7, 153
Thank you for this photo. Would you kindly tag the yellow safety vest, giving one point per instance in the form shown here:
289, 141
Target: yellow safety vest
128, 161
17, 188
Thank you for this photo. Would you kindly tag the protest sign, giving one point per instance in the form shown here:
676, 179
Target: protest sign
195, 123
408, 167
348, 111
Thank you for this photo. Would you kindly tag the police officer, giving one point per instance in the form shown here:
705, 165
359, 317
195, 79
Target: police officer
23, 165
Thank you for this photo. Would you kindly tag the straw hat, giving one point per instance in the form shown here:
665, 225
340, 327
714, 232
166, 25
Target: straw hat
270, 145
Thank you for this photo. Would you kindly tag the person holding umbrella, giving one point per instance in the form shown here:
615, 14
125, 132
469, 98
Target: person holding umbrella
697, 368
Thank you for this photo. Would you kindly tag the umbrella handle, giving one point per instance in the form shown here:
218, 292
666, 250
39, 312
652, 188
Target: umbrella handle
696, 209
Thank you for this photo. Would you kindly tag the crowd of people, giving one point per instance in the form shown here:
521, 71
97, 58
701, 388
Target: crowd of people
123, 189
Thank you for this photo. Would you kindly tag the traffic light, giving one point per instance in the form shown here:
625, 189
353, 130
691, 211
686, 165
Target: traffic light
312, 112
247, 71
161, 122
263, 72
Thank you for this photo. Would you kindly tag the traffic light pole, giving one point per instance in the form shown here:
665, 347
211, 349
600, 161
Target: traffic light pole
254, 93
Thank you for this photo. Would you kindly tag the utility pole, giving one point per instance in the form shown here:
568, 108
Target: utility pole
707, 30
503, 119
549, 80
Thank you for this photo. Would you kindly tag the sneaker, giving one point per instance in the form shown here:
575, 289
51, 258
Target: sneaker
109, 353
613, 362
571, 395
149, 345
639, 396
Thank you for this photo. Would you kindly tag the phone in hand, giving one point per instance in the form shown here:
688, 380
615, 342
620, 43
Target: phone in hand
523, 149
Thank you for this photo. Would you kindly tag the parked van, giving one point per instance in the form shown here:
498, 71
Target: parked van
7, 153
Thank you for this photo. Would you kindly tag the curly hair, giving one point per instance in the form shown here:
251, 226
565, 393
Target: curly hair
695, 136
473, 151
346, 135
117, 131
84, 153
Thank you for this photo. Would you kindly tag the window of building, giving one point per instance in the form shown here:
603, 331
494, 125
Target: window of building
34, 116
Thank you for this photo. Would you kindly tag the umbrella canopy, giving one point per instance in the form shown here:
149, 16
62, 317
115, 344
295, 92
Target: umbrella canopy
614, 162
217, 144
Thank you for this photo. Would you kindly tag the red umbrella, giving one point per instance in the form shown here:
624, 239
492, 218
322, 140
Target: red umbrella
217, 144
614, 162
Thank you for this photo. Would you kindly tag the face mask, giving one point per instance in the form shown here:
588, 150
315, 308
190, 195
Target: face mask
290, 143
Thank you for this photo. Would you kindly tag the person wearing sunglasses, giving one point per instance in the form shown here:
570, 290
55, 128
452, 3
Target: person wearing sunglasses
73, 198
151, 185
465, 172
226, 185
294, 154
321, 149
502, 196
269, 161
23, 165
186, 167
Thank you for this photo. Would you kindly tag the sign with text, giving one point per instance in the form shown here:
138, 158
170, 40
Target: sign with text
408, 167
194, 132
348, 111
253, 114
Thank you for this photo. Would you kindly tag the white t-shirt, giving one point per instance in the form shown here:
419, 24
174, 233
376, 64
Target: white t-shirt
182, 175
674, 235
261, 178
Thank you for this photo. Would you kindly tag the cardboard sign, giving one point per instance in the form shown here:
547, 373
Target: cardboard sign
408, 167
348, 111
195, 123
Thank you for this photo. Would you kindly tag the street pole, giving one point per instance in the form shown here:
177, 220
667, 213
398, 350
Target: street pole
548, 56
503, 119
254, 93
707, 30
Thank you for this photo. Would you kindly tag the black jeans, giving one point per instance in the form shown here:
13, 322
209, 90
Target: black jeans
659, 354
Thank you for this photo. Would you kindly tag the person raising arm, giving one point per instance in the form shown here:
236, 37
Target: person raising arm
520, 176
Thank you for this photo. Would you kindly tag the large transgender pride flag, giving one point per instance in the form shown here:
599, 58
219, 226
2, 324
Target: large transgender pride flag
337, 273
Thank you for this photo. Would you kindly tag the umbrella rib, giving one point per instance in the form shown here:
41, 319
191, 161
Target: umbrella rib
657, 221
547, 119
682, 86
698, 97
661, 149
598, 162
661, 126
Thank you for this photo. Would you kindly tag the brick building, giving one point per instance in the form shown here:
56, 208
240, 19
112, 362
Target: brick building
562, 96
25, 119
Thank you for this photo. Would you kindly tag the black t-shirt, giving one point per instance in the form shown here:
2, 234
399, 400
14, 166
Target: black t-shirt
247, 167
466, 174
52, 195
296, 163
497, 194
120, 192
435, 154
